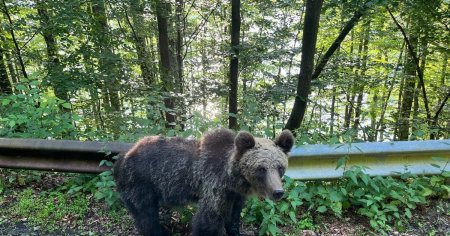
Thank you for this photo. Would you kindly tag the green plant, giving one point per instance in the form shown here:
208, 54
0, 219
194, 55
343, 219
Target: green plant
386, 201
48, 208
32, 113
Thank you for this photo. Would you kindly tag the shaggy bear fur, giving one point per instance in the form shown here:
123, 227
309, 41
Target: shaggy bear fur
218, 172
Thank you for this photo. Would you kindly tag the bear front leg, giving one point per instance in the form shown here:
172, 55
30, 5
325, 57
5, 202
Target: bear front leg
207, 222
232, 222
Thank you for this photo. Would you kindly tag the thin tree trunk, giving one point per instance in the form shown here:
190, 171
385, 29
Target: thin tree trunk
234, 63
411, 46
380, 125
337, 42
16, 44
10, 64
311, 27
362, 74
5, 85
441, 101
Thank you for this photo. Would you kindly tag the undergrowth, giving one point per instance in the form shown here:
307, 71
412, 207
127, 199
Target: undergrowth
387, 202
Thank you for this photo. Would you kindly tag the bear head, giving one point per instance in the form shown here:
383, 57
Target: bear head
262, 162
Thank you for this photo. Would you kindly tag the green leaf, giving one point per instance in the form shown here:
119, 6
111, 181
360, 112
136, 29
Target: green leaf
21, 87
365, 178
66, 105
341, 162
374, 186
5, 102
408, 213
335, 196
284, 206
273, 229
322, 209
352, 176
293, 216
373, 223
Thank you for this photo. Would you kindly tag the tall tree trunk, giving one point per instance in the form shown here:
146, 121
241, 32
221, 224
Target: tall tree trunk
408, 94
311, 27
55, 76
5, 85
166, 56
234, 63
362, 73
179, 13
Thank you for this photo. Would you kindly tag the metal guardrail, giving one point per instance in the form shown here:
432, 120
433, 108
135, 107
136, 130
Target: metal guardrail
58, 155
380, 158
306, 162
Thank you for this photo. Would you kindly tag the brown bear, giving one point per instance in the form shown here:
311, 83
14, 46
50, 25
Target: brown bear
218, 172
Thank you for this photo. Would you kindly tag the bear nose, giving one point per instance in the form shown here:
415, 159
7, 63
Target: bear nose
278, 194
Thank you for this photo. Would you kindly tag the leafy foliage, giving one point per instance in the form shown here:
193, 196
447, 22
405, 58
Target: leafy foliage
386, 201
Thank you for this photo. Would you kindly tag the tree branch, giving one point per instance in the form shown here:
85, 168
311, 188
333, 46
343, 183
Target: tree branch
337, 42
416, 61
441, 107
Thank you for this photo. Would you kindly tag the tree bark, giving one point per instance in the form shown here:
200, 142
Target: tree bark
309, 40
234, 64
5, 85
9, 59
408, 95
166, 68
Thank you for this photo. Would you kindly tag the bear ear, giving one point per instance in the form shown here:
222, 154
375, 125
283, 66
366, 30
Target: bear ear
285, 140
244, 141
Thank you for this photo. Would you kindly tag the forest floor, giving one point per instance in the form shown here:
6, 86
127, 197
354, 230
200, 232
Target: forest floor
90, 217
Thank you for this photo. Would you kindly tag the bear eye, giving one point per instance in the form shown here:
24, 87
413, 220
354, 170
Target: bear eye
281, 170
261, 170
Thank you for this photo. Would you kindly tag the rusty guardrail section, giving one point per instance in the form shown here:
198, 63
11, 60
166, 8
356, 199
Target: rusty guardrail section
58, 155
306, 162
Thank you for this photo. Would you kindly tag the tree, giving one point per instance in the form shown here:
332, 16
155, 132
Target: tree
5, 85
167, 68
234, 63
312, 16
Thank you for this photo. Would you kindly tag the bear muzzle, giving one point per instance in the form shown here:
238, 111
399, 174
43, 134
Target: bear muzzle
274, 189
277, 194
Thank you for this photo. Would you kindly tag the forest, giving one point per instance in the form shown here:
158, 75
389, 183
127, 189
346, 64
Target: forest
332, 71
367, 70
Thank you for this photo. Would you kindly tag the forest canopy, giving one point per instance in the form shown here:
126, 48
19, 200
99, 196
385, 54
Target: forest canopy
368, 70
